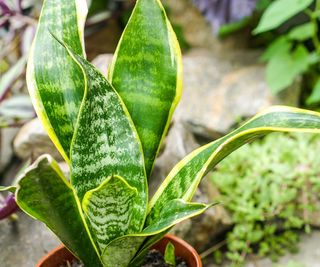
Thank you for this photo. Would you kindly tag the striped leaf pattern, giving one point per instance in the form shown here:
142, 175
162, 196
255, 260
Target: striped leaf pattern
105, 141
44, 193
120, 251
147, 73
109, 209
183, 180
106, 144
54, 80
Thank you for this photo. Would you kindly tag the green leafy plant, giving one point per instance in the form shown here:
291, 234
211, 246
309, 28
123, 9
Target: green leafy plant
270, 193
109, 130
291, 54
169, 255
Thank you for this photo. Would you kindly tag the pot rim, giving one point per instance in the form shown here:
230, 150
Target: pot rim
62, 252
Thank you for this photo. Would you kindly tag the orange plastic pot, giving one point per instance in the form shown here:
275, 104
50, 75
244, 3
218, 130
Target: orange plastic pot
61, 255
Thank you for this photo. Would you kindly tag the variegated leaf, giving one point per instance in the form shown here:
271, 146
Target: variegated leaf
183, 180
147, 73
120, 251
106, 142
109, 209
54, 80
45, 194
8, 188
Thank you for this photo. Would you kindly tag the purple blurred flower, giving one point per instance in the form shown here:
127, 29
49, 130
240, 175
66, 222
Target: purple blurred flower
220, 12
9, 207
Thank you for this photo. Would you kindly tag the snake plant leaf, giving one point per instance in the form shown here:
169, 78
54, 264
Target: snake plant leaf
120, 251
45, 194
183, 180
147, 73
175, 211
106, 143
109, 210
57, 97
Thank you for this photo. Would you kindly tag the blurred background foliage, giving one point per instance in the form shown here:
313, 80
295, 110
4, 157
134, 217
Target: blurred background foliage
270, 188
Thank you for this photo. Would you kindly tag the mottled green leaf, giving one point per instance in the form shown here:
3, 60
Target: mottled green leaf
106, 142
302, 32
173, 212
54, 80
169, 255
120, 251
279, 12
147, 73
183, 180
45, 194
109, 209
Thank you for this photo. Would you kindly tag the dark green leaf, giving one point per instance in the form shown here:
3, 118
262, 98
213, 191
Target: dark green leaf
45, 194
55, 81
146, 72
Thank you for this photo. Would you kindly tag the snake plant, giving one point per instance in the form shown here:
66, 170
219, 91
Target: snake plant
109, 130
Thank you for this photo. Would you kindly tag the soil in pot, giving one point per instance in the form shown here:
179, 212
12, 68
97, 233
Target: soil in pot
153, 259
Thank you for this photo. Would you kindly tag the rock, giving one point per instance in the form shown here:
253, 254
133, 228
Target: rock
178, 143
33, 141
198, 32
24, 242
102, 62
7, 135
218, 92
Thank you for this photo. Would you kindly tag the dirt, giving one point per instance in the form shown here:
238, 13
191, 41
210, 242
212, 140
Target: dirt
153, 259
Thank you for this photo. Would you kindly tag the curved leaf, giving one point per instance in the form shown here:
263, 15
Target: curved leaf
120, 251
106, 143
147, 73
279, 12
57, 97
44, 194
109, 209
185, 177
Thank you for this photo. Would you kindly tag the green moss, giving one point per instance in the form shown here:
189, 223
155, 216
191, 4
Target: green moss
270, 188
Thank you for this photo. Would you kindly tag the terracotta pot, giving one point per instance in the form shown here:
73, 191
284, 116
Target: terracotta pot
61, 255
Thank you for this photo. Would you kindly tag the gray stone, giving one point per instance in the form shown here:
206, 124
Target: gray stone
24, 242
33, 141
102, 62
6, 137
218, 92
178, 143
